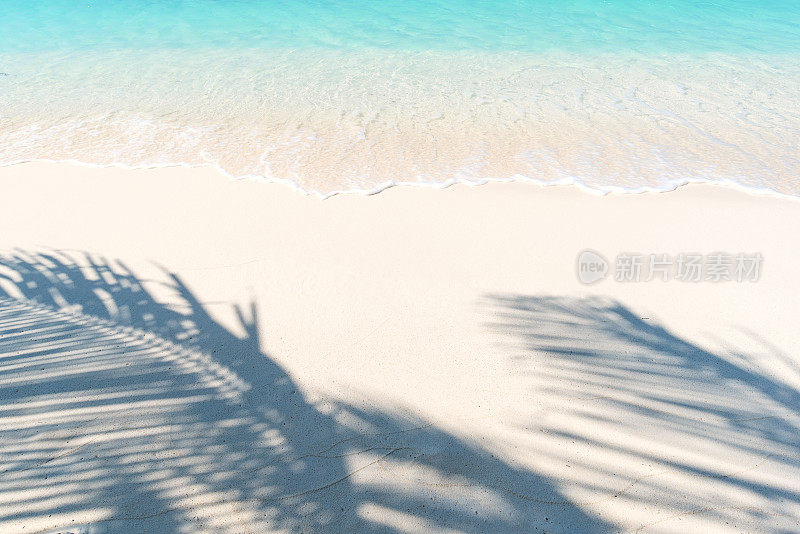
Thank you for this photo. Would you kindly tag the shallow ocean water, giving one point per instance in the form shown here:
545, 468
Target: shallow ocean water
344, 95
491, 25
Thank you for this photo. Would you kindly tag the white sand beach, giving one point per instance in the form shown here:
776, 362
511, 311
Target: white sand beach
180, 352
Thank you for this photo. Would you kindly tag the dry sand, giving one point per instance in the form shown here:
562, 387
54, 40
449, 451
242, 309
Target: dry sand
411, 361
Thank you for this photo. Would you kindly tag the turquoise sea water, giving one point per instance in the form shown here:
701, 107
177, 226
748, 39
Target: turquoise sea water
612, 95
739, 26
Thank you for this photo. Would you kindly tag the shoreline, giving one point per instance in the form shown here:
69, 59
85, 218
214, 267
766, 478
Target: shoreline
296, 188
335, 121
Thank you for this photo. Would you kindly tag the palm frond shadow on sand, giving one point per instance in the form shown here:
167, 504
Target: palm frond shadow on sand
125, 414
650, 421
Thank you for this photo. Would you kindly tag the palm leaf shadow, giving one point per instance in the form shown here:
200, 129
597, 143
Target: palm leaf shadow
655, 420
128, 414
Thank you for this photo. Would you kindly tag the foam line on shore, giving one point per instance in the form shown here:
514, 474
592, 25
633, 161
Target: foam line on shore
383, 186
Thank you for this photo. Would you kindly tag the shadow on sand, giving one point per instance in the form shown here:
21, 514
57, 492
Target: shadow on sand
121, 413
682, 438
